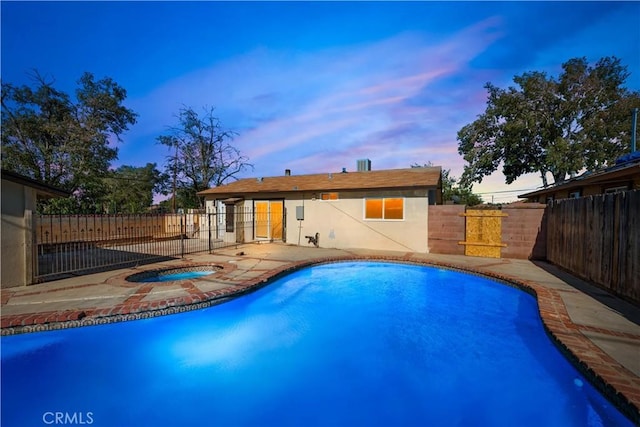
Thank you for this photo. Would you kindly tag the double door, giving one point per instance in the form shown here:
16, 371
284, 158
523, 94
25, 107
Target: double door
269, 219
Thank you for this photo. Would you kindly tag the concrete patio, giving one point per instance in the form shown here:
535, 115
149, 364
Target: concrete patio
599, 332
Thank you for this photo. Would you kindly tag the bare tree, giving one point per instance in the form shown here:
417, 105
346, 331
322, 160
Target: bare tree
201, 155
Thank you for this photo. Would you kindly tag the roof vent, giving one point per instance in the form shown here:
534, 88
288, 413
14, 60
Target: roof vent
364, 165
287, 172
344, 170
259, 179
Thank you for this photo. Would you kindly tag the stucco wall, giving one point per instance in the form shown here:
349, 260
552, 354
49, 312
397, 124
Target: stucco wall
17, 205
341, 224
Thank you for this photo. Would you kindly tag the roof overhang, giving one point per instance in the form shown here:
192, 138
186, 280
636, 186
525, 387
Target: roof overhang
232, 200
385, 180
42, 190
609, 176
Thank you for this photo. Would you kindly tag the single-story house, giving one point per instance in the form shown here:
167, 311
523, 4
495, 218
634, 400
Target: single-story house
384, 209
623, 176
19, 200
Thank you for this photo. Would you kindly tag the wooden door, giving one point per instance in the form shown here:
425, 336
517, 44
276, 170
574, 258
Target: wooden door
269, 216
275, 219
262, 219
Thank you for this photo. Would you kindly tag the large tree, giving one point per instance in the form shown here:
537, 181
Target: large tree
130, 189
63, 141
582, 119
201, 154
452, 190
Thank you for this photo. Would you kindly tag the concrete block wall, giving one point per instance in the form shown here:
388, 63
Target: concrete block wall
446, 229
524, 231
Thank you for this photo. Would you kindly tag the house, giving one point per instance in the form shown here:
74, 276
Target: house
623, 176
385, 209
19, 199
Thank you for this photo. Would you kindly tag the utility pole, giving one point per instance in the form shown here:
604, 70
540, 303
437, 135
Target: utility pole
175, 178
634, 125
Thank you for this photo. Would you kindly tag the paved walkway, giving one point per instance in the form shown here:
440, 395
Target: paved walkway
599, 332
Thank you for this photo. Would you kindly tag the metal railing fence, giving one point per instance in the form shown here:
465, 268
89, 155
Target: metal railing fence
71, 245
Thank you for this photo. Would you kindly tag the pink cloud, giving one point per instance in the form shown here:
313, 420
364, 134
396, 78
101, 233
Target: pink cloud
390, 101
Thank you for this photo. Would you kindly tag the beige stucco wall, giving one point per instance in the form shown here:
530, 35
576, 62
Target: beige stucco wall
341, 222
18, 203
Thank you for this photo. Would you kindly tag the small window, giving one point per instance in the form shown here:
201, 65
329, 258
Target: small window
373, 209
393, 209
230, 218
616, 189
574, 194
329, 196
384, 209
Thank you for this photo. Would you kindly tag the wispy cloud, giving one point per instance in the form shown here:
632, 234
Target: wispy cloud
390, 101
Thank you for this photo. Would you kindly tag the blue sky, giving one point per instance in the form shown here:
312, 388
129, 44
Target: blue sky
312, 87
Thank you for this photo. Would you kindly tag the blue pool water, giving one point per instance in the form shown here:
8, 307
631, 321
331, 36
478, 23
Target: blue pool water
346, 344
177, 276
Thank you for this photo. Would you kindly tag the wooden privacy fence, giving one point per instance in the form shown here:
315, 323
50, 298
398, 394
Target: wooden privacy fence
597, 238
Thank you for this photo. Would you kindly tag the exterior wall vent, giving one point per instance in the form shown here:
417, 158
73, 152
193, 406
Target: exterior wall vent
364, 165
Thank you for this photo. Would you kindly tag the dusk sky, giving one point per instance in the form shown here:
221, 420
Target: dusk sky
313, 87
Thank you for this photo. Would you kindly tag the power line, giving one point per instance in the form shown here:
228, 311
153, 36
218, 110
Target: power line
506, 191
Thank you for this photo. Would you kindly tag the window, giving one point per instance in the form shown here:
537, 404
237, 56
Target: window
385, 209
229, 217
616, 189
574, 194
329, 196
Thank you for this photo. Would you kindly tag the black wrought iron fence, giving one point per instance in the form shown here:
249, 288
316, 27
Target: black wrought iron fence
70, 245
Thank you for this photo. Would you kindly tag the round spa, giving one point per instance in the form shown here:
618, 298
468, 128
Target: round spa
173, 274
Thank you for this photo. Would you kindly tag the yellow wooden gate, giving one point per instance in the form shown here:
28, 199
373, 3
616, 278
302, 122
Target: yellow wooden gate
483, 233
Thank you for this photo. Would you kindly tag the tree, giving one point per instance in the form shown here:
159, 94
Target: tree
452, 191
130, 189
53, 138
200, 155
559, 126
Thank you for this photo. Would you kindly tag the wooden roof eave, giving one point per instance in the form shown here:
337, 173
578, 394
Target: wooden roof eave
252, 194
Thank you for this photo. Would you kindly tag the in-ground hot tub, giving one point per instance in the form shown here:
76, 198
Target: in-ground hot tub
174, 273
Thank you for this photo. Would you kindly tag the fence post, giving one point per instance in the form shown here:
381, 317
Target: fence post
209, 229
31, 253
182, 234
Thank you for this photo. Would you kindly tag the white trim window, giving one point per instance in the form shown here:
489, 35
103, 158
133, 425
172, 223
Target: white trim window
616, 189
384, 209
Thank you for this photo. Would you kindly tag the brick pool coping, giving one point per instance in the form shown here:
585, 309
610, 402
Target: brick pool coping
611, 378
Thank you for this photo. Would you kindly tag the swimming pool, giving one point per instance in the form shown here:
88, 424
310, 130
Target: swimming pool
345, 344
